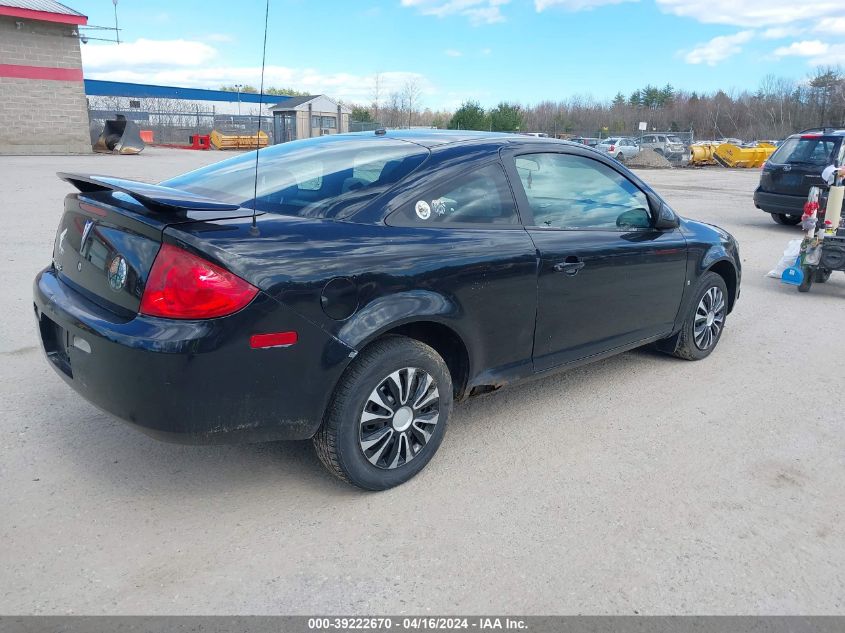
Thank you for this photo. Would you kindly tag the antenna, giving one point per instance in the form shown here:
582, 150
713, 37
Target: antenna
254, 228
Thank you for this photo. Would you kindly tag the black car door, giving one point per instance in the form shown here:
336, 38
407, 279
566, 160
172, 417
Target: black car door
607, 278
465, 233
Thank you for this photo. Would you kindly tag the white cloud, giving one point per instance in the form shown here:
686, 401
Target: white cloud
807, 48
451, 52
753, 13
486, 51
477, 11
831, 25
186, 63
780, 32
143, 53
718, 49
575, 5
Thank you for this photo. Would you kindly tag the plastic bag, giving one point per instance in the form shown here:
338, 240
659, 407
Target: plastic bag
793, 250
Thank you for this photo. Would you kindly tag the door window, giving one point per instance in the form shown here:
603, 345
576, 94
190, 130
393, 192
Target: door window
577, 193
481, 197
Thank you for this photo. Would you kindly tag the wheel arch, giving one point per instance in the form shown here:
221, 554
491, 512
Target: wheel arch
442, 339
727, 271
426, 316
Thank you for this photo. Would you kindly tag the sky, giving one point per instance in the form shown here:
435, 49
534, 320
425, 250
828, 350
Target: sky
489, 51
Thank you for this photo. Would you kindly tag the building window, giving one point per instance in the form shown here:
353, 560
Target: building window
134, 103
324, 122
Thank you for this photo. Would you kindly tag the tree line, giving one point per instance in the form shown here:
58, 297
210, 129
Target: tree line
778, 107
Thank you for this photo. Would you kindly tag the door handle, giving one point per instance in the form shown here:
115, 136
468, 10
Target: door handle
571, 266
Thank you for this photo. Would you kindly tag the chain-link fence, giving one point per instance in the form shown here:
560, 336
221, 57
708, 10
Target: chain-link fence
364, 126
177, 128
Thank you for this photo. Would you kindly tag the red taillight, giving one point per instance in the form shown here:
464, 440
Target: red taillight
613, 148
811, 136
182, 285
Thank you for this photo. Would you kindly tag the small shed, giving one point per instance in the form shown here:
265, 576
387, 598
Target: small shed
311, 115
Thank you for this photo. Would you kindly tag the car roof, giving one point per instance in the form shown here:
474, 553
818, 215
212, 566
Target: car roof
432, 138
818, 131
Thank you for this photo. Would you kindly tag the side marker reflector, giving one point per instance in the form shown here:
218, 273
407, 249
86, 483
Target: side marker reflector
276, 339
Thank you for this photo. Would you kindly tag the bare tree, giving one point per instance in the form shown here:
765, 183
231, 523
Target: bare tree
376, 95
411, 92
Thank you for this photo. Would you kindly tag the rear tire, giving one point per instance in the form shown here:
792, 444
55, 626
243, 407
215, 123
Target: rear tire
822, 275
786, 220
387, 415
704, 322
620, 157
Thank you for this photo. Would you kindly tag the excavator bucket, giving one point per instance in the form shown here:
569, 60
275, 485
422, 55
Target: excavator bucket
119, 136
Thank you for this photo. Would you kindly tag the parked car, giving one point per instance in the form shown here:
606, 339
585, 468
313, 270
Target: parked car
374, 280
667, 145
796, 166
584, 140
621, 148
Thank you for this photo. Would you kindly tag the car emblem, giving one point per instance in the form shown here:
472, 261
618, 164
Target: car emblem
787, 167
86, 231
117, 273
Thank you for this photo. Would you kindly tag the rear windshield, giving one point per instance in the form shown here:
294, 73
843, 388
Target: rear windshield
807, 150
325, 177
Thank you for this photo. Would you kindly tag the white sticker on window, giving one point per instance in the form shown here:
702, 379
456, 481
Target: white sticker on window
423, 210
439, 206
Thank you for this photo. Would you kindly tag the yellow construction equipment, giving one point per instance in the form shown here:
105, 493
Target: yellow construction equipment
731, 155
702, 154
219, 140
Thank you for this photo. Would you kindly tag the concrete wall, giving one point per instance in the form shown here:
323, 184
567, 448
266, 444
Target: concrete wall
44, 110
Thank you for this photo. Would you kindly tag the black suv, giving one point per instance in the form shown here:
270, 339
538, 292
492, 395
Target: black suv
796, 166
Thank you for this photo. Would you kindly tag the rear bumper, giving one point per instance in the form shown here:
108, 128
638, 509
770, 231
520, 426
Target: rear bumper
779, 202
192, 382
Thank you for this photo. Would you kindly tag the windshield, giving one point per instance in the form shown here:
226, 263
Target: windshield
326, 177
806, 150
675, 139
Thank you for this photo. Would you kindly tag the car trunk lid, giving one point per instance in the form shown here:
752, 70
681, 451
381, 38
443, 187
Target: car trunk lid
111, 232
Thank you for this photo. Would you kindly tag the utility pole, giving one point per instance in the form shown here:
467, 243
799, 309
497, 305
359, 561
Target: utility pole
116, 29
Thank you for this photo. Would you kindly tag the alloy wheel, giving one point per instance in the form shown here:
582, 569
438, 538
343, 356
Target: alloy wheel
399, 418
709, 318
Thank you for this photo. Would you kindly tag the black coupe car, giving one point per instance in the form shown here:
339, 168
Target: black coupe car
362, 283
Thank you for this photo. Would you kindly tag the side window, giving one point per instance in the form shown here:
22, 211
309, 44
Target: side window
480, 197
572, 192
309, 174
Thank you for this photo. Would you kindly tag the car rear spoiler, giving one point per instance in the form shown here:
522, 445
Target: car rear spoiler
154, 197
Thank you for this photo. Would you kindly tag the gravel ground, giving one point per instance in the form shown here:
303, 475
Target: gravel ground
640, 484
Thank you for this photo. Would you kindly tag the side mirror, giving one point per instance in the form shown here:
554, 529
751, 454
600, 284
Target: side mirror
634, 219
666, 219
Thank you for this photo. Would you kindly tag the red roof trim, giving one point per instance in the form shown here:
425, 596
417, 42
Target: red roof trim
40, 72
43, 16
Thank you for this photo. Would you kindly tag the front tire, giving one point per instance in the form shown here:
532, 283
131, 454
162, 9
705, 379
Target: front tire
387, 416
807, 281
786, 220
704, 322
